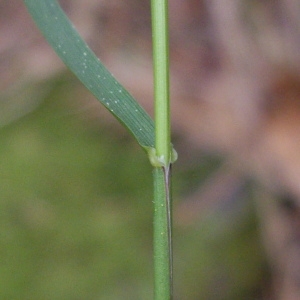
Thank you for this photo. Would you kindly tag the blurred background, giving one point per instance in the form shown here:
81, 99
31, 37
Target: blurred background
76, 190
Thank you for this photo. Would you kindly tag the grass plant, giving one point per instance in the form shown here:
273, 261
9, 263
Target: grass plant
153, 138
163, 267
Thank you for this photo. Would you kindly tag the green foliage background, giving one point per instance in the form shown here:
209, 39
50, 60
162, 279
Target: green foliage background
76, 215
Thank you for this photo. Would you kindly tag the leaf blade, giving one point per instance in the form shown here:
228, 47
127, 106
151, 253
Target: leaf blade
80, 59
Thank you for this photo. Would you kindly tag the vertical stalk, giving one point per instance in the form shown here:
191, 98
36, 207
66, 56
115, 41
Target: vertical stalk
162, 202
161, 78
162, 237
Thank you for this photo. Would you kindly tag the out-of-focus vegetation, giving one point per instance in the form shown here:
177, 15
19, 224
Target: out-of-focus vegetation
76, 215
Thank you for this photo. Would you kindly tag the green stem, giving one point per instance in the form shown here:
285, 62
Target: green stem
162, 157
161, 79
162, 235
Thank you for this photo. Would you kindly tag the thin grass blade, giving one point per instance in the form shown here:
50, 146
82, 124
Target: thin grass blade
75, 53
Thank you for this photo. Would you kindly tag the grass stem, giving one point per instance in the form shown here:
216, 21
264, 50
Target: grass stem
161, 78
162, 201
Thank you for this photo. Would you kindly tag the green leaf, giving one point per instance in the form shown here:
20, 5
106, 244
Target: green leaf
75, 53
